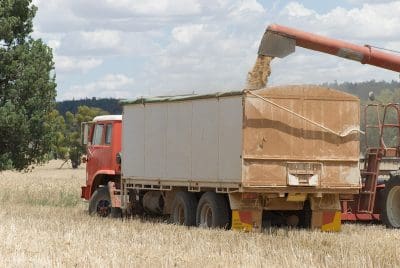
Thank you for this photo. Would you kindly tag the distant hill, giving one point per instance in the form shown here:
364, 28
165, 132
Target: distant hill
110, 105
360, 89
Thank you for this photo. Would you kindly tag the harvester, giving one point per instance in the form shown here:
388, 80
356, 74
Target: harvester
378, 199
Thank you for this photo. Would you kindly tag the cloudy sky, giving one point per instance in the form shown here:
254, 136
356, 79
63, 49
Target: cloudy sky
130, 48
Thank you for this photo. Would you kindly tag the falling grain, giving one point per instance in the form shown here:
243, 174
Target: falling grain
258, 77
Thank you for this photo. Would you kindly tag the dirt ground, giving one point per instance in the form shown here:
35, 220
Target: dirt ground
44, 223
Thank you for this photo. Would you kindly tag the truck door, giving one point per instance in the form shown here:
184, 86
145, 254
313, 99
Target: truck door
99, 153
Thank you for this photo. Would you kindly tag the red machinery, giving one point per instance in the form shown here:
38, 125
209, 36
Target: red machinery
377, 200
280, 41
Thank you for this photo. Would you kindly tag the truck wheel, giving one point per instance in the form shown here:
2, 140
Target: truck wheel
305, 216
100, 204
75, 162
390, 212
183, 209
213, 211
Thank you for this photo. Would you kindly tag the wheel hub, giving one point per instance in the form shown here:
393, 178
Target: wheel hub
103, 208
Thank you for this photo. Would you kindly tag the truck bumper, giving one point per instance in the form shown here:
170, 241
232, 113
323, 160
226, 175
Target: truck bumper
85, 192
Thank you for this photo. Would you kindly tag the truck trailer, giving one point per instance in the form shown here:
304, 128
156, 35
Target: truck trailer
242, 160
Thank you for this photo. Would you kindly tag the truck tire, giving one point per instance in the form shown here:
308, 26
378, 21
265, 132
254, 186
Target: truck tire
390, 206
183, 209
100, 204
213, 211
305, 216
75, 164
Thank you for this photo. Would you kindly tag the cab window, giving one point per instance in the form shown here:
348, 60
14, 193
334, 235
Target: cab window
98, 134
108, 134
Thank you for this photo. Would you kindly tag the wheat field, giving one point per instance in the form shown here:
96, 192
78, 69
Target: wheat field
44, 223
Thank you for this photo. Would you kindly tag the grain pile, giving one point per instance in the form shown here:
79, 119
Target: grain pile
258, 77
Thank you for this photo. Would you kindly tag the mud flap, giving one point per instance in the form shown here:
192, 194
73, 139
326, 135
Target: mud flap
115, 195
326, 213
247, 220
327, 221
85, 192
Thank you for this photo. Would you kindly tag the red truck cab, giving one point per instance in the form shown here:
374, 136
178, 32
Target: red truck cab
102, 137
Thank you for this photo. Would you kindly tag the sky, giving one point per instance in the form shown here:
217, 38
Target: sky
130, 48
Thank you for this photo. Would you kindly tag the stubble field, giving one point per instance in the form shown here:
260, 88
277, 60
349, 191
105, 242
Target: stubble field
43, 223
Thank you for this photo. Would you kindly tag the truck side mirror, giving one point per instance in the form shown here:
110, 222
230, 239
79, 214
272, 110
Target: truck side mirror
85, 129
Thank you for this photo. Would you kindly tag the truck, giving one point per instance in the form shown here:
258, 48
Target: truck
240, 160
243, 160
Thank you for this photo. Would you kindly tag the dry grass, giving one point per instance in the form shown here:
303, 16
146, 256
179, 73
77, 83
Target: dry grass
43, 223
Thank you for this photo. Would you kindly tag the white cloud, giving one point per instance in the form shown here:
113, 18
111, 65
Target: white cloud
100, 39
247, 8
156, 7
186, 33
369, 1
54, 44
66, 64
111, 85
369, 22
295, 9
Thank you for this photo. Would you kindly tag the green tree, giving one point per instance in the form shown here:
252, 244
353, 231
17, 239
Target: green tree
27, 89
60, 148
72, 133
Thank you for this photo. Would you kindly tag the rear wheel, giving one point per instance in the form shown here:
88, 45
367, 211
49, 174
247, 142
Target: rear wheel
100, 204
305, 216
213, 211
183, 210
390, 212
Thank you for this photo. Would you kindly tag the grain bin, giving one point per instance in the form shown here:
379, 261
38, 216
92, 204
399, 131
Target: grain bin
282, 146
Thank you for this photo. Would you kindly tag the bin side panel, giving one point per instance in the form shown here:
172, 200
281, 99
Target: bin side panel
179, 132
133, 140
274, 137
205, 139
155, 133
230, 138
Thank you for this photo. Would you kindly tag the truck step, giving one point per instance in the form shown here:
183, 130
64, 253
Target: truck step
365, 211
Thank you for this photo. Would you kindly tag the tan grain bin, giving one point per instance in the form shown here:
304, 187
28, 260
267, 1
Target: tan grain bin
277, 143
279, 139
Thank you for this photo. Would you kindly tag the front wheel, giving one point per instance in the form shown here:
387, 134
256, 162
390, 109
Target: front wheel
100, 204
390, 212
213, 211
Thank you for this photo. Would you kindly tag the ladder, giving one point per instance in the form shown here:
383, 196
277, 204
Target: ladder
370, 175
374, 155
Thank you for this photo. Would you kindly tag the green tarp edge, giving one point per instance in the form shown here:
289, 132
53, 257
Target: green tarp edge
143, 100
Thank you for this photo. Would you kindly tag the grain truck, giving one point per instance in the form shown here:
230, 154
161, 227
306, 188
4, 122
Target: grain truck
240, 160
